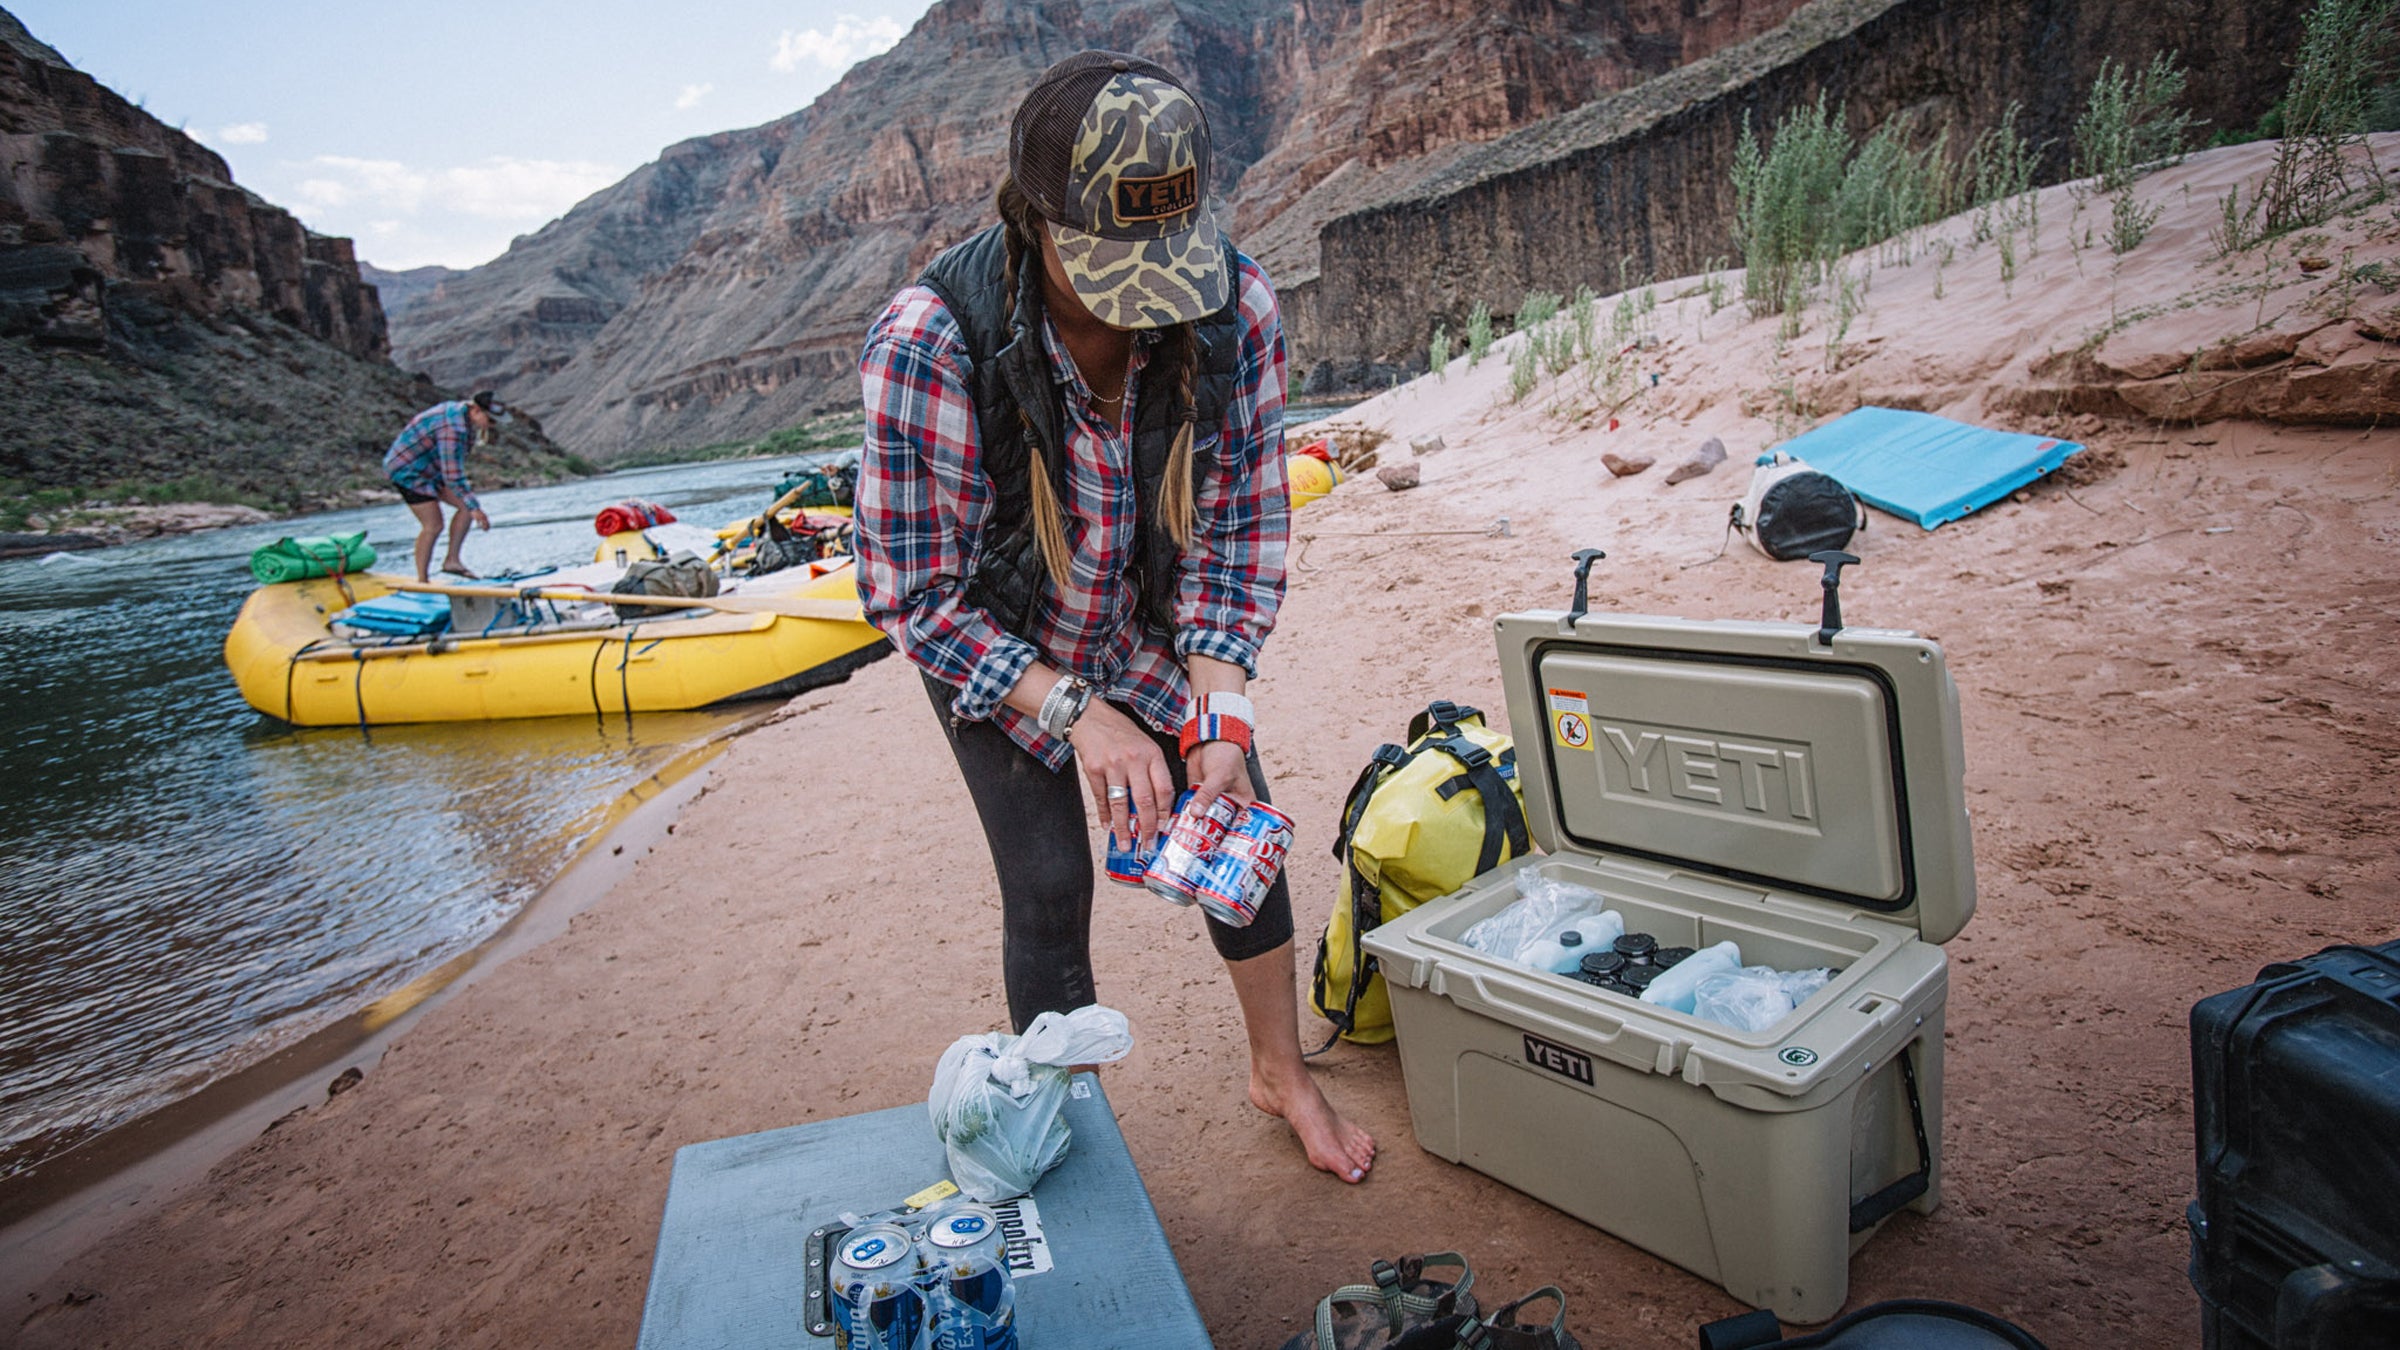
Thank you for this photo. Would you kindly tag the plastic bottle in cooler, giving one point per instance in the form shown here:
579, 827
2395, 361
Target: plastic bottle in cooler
1675, 985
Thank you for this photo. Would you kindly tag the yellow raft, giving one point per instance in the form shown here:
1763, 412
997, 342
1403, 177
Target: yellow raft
774, 637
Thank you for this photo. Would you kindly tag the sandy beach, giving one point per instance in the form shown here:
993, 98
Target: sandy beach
2182, 724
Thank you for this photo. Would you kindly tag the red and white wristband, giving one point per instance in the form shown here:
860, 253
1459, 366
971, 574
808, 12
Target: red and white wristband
1219, 717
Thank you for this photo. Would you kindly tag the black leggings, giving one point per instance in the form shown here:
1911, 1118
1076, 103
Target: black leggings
1041, 844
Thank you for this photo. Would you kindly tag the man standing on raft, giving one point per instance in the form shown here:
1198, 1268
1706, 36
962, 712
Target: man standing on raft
428, 463
1072, 518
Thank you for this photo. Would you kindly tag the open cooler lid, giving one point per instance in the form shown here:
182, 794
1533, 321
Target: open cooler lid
1754, 752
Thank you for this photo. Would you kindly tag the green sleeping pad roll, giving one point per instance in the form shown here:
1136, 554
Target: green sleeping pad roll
323, 555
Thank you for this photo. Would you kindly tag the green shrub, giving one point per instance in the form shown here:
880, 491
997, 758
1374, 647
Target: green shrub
1437, 355
1479, 333
1524, 369
2330, 99
2129, 124
1811, 195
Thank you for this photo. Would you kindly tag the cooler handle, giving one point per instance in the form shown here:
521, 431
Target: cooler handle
2324, 1307
1865, 1214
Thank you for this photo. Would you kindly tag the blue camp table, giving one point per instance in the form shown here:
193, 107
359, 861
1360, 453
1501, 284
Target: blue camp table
733, 1248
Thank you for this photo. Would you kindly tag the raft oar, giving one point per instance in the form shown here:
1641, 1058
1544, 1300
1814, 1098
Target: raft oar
790, 606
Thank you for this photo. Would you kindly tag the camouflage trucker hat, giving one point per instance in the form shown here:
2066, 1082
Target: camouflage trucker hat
1113, 151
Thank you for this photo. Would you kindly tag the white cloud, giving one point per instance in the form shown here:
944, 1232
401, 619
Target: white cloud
242, 133
850, 39
500, 187
692, 94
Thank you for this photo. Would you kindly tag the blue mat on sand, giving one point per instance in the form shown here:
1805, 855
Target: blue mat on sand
1928, 469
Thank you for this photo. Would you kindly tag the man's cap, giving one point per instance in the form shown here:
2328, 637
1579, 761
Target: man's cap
1113, 151
489, 402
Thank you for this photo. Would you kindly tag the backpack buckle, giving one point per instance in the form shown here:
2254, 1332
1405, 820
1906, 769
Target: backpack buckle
1468, 753
1390, 756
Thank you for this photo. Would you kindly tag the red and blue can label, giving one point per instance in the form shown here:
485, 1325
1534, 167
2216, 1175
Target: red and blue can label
1224, 859
1128, 867
1190, 838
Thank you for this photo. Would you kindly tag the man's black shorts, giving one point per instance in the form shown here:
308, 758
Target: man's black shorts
412, 496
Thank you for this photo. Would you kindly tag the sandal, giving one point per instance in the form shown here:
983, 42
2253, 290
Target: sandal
1502, 1331
1404, 1309
462, 570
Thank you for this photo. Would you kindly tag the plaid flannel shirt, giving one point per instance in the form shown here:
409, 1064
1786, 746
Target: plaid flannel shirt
431, 453
924, 503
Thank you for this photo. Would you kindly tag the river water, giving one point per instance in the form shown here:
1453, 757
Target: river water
186, 886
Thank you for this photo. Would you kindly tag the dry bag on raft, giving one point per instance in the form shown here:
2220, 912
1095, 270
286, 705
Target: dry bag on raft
1419, 823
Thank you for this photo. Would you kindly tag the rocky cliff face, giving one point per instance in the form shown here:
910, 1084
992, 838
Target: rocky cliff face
721, 292
403, 289
167, 335
1645, 175
157, 215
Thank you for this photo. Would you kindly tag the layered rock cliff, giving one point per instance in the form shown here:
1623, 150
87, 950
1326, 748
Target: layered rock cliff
721, 291
156, 213
1646, 174
165, 333
1391, 162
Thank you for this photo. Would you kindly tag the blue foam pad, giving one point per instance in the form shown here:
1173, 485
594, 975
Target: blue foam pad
1928, 469
402, 614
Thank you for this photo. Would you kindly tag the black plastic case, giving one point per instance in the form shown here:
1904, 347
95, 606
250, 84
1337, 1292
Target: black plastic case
2296, 1106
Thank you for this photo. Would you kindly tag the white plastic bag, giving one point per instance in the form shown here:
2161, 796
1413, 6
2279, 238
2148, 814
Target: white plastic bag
1802, 985
1544, 909
1749, 999
996, 1098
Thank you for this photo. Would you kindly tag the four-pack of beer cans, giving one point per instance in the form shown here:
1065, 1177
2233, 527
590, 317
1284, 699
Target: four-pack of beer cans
948, 1288
1223, 857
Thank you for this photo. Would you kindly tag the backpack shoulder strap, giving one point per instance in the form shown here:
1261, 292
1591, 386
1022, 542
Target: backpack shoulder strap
1503, 815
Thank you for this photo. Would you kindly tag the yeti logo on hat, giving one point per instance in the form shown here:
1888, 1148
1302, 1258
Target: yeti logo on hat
1157, 198
1113, 151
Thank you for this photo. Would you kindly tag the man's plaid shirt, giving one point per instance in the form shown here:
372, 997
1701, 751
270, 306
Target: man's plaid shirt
431, 453
923, 503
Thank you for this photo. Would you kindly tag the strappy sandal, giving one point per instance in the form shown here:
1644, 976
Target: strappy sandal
1404, 1309
1502, 1331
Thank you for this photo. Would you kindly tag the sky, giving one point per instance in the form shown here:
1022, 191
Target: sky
437, 131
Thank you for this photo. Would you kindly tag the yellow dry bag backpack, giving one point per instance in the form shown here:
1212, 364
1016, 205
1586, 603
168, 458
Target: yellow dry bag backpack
1419, 823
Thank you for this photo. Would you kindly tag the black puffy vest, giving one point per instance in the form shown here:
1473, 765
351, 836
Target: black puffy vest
1015, 394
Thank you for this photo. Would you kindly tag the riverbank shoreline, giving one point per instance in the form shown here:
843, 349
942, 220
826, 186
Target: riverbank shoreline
2182, 764
69, 1203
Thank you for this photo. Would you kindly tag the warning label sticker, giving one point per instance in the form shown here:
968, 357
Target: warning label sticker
1570, 719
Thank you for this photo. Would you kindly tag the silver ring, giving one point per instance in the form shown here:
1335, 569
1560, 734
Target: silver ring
1118, 793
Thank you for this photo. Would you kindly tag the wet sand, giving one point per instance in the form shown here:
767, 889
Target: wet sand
2180, 711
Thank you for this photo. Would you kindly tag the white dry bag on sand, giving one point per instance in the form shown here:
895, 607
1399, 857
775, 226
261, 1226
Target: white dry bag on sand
996, 1097
1793, 510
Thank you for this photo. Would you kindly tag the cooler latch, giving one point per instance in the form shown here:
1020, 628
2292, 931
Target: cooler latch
1584, 558
1831, 622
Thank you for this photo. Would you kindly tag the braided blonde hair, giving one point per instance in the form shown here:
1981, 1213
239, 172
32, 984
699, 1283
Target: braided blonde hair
1177, 508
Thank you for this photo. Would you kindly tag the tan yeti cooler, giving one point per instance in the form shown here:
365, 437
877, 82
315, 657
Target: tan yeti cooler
1750, 781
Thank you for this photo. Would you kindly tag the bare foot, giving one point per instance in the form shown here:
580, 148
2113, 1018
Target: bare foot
1333, 1144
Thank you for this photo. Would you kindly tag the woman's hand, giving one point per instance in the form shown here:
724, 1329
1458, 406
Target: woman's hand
1218, 768
1115, 753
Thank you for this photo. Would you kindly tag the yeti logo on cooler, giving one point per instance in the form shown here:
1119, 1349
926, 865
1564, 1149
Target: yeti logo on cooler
1558, 1059
1748, 776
